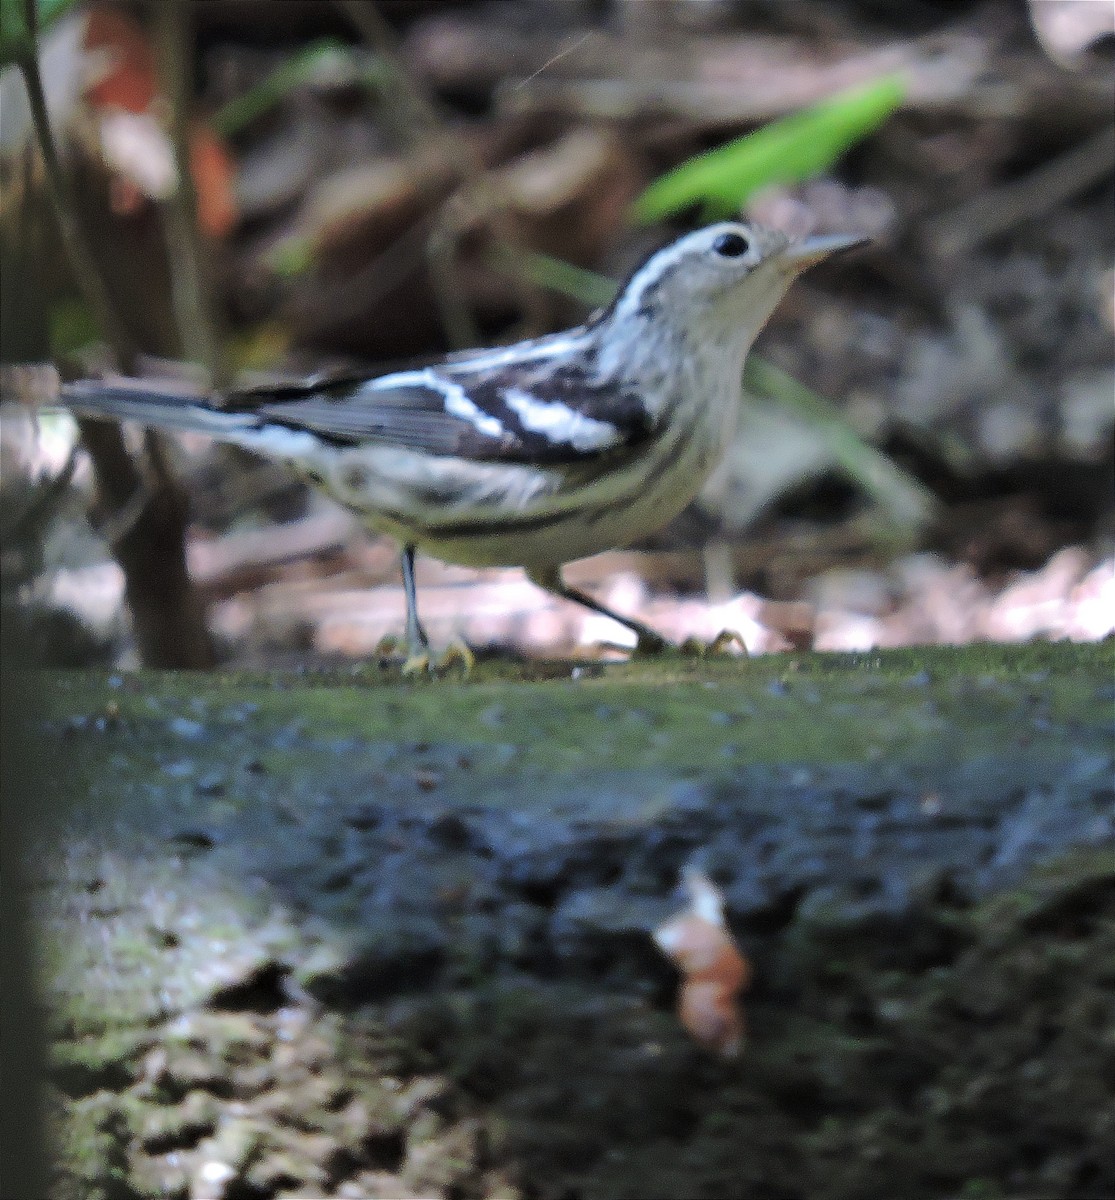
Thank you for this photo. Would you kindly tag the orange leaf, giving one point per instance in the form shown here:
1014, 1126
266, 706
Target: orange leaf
128, 80
214, 175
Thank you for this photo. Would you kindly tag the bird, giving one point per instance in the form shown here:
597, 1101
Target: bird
530, 455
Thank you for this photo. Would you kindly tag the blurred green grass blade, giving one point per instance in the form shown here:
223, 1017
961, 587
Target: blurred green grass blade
590, 288
908, 503
291, 257
241, 111
789, 150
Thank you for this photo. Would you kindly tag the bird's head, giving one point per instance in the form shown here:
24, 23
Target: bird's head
722, 280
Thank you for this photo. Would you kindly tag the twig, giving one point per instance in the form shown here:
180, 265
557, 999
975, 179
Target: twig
196, 324
457, 320
122, 520
168, 616
86, 274
554, 58
37, 511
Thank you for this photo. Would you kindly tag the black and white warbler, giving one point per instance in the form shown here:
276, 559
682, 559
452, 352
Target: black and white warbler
534, 454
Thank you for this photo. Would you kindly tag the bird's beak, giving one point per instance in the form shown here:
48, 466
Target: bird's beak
814, 249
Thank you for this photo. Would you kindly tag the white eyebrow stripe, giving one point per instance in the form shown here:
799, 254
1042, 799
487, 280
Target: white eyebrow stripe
559, 422
456, 398
651, 272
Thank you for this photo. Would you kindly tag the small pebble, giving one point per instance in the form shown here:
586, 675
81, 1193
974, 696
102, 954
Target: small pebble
183, 727
215, 1174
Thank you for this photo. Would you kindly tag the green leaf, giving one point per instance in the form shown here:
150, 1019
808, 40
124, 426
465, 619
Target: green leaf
51, 10
15, 41
72, 326
280, 82
15, 38
789, 150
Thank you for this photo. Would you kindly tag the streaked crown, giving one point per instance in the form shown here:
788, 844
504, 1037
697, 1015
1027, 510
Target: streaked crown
730, 272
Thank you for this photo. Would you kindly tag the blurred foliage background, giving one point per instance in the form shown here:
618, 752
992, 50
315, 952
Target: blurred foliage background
270, 187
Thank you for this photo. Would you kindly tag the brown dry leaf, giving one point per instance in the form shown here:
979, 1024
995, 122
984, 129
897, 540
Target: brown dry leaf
358, 213
215, 179
127, 80
124, 93
713, 969
571, 195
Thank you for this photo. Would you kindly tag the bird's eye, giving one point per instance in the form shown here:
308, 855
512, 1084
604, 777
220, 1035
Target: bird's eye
731, 245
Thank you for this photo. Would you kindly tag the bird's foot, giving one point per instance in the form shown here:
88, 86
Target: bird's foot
439, 664
420, 660
724, 641
457, 652
415, 654
648, 644
417, 662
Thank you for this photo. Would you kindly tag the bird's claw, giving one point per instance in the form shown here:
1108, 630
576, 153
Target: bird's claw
650, 644
456, 652
419, 660
724, 640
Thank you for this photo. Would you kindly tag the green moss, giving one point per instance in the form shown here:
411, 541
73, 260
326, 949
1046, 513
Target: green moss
92, 1159
90, 1063
671, 713
989, 1032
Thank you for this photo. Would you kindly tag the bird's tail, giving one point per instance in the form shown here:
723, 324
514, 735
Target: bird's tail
155, 404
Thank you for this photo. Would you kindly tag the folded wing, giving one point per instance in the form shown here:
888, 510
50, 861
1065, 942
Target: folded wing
493, 416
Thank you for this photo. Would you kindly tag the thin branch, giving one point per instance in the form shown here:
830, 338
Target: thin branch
86, 274
169, 619
191, 296
45, 498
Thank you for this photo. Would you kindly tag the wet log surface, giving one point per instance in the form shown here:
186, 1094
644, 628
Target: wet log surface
339, 935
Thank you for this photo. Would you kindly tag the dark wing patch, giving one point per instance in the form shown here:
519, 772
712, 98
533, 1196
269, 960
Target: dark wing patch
329, 386
415, 413
413, 417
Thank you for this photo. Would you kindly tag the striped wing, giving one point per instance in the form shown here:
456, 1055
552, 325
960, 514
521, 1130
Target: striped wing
502, 415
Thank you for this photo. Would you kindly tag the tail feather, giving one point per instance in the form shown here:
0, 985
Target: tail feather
155, 405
